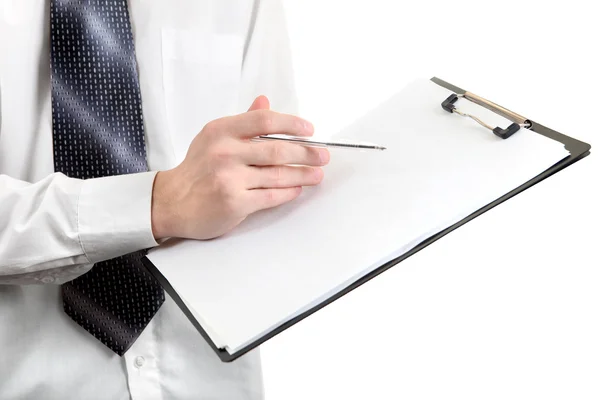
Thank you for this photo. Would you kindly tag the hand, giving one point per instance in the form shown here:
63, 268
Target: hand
225, 177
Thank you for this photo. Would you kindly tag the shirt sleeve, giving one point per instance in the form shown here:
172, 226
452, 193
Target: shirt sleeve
54, 230
267, 67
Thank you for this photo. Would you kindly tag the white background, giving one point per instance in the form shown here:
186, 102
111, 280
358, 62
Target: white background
508, 306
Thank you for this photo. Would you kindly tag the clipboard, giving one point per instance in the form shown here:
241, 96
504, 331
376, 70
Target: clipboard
577, 150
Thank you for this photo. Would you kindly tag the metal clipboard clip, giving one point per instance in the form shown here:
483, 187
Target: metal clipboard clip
518, 121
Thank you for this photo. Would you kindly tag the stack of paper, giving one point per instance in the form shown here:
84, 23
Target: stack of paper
371, 208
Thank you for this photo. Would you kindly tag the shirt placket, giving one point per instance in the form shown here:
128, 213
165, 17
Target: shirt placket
141, 363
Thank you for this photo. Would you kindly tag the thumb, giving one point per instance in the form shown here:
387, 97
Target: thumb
260, 103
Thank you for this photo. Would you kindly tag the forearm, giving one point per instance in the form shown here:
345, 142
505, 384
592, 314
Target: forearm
61, 226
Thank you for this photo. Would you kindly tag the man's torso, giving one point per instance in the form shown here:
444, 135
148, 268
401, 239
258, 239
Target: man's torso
189, 56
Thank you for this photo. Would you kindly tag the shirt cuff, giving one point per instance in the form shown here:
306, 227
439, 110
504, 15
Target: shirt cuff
114, 215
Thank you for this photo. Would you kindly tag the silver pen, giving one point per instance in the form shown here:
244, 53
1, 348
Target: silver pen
317, 143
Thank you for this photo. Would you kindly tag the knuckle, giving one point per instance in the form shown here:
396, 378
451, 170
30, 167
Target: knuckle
221, 182
211, 128
265, 120
223, 186
230, 203
277, 176
276, 153
221, 154
269, 196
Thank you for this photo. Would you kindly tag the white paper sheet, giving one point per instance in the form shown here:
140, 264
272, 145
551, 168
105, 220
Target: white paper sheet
371, 207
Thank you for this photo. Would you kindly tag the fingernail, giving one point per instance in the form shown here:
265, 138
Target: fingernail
319, 174
323, 156
309, 127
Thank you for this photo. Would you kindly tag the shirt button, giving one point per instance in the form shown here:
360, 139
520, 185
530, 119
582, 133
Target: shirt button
139, 361
48, 279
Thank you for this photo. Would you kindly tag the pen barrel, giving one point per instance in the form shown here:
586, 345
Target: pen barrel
313, 143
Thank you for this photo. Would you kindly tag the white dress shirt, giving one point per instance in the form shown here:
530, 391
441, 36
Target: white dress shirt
198, 60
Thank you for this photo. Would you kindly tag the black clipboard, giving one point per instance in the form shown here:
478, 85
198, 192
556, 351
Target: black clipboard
576, 148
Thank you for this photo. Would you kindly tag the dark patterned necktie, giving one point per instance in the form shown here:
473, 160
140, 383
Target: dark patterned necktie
98, 131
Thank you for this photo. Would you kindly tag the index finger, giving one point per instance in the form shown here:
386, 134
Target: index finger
266, 122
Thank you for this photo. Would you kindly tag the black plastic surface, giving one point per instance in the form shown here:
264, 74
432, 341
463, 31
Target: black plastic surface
448, 104
576, 148
508, 132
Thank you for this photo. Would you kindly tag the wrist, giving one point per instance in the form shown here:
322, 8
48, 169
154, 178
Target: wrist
161, 210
